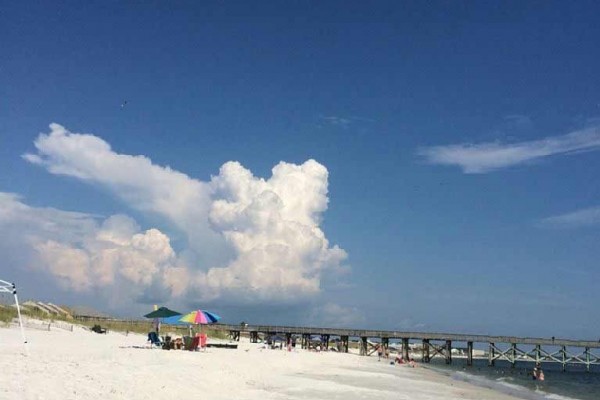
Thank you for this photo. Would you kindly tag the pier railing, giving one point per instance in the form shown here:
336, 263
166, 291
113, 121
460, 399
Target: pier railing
562, 351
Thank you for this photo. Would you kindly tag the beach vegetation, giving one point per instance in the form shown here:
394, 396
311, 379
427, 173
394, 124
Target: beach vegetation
8, 313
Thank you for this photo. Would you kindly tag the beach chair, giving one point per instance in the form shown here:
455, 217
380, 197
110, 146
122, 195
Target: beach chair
98, 329
203, 338
195, 344
187, 342
167, 343
154, 339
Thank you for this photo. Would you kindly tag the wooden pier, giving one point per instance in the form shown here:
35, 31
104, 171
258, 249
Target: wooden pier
509, 348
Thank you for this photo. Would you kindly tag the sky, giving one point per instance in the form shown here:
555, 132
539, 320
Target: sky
424, 166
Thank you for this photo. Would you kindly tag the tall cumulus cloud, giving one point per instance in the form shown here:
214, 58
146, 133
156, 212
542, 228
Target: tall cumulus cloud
250, 238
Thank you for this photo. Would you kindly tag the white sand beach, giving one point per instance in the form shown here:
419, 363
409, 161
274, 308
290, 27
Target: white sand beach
84, 365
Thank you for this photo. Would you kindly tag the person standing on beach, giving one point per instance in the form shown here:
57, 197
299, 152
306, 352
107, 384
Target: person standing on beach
379, 351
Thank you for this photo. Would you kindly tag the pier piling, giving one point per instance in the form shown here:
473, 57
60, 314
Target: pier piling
305, 340
234, 335
469, 353
587, 359
344, 340
364, 346
492, 355
425, 357
325, 342
385, 342
405, 348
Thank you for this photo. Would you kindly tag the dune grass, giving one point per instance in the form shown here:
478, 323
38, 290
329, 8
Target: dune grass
7, 314
145, 326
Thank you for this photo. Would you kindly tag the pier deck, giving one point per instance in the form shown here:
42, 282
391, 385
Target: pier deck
563, 351
357, 333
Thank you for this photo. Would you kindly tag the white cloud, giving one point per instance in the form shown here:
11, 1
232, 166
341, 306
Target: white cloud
338, 121
83, 254
70, 265
487, 157
580, 218
268, 228
142, 185
274, 227
345, 122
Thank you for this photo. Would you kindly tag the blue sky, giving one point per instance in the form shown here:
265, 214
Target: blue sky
458, 143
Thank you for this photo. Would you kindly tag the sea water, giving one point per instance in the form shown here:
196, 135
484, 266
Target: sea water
575, 383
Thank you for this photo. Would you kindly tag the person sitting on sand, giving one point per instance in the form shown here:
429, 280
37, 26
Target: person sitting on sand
412, 363
178, 343
399, 359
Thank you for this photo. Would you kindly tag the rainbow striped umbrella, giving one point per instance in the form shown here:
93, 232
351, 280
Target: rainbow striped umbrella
200, 317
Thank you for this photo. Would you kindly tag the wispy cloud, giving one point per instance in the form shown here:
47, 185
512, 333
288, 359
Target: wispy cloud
338, 121
580, 218
344, 122
518, 121
486, 157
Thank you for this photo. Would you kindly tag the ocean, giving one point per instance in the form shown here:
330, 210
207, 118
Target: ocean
575, 383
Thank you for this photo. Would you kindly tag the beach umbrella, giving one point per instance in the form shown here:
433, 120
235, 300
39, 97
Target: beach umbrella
159, 313
174, 320
162, 312
200, 317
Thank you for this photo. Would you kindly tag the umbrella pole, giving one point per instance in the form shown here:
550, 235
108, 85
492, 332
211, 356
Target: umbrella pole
201, 336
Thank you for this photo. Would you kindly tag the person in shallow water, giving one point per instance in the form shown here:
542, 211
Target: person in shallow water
537, 373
